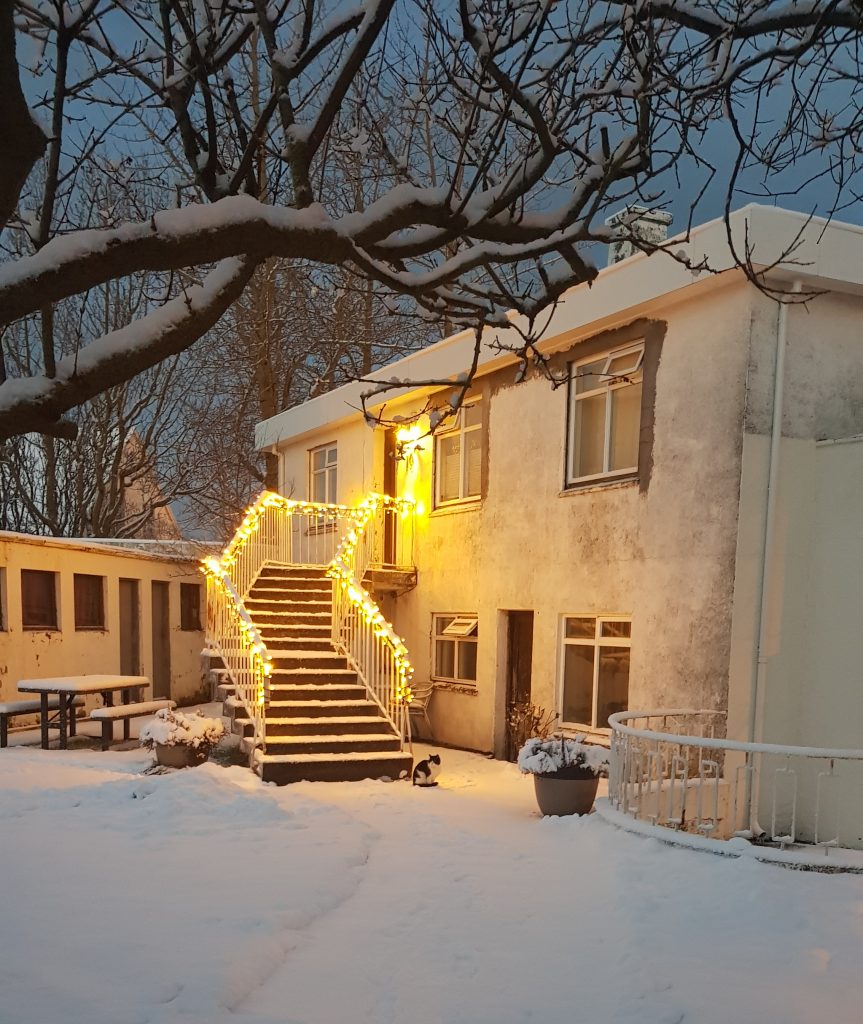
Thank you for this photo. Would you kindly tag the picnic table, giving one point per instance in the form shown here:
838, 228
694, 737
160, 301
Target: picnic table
67, 688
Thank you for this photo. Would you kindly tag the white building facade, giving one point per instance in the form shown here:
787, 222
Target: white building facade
674, 525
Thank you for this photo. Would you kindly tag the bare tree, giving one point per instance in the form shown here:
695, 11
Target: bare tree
293, 334
506, 131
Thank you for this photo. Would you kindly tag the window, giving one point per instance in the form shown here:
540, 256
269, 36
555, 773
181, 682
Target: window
458, 458
323, 462
190, 606
38, 599
3, 623
455, 644
595, 669
604, 415
89, 601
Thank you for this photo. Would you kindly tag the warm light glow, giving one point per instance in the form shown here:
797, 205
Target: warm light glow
341, 568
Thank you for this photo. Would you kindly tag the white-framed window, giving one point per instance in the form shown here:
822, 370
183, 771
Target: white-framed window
594, 669
458, 458
454, 641
604, 415
323, 473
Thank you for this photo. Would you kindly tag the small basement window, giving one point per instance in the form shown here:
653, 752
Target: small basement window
38, 599
89, 601
190, 606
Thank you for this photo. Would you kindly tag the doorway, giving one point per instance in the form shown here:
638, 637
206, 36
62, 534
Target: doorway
161, 639
130, 628
519, 655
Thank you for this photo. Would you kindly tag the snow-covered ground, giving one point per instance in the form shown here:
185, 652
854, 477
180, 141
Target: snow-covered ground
204, 897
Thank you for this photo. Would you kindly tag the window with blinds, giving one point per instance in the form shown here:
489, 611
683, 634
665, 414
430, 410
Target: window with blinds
458, 458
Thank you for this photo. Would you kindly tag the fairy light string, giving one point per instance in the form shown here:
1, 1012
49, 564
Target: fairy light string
341, 569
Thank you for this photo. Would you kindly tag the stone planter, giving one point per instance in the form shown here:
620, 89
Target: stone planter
180, 755
570, 791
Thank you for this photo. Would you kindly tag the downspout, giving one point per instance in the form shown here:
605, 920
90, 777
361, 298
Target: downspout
756, 698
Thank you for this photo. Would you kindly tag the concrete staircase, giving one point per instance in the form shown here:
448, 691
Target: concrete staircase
320, 724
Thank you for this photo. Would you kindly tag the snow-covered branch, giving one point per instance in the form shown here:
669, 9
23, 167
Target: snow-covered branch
464, 155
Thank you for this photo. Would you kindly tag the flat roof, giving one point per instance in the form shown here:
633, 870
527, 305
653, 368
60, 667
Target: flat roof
826, 254
113, 546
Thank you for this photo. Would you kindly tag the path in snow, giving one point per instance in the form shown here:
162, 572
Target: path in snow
203, 896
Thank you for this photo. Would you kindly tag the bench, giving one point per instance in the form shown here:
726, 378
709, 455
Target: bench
11, 708
124, 712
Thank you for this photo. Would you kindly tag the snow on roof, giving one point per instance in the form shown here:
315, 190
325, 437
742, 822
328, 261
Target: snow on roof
826, 254
162, 551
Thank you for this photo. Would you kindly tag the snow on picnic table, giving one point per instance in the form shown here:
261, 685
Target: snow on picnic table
205, 896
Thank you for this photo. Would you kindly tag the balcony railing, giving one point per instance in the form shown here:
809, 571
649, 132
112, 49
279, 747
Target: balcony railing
674, 769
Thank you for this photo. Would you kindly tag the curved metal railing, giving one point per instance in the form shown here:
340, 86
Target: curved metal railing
673, 767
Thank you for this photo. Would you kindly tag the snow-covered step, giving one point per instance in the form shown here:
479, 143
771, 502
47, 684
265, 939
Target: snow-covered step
318, 708
346, 743
317, 691
330, 725
286, 768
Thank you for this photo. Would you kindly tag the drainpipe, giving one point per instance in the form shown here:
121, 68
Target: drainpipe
756, 699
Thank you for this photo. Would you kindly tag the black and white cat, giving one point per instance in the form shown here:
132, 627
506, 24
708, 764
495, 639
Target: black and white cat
425, 772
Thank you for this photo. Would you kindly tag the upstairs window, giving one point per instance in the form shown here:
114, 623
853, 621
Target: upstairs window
190, 606
89, 601
605, 415
38, 599
455, 647
594, 669
458, 458
323, 474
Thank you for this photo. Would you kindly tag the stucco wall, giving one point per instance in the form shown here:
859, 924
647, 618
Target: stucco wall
40, 653
808, 632
810, 692
360, 462
660, 549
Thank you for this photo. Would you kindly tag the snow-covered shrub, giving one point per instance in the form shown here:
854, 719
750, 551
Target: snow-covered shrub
540, 756
172, 728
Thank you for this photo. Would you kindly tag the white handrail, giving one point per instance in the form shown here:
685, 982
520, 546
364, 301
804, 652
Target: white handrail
285, 532
360, 630
722, 788
238, 642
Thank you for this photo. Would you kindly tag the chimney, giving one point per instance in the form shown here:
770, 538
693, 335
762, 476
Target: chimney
639, 222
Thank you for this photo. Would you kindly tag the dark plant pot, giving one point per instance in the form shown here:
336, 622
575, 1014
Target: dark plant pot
569, 791
180, 755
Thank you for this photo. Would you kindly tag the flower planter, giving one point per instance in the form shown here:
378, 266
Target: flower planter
566, 792
180, 755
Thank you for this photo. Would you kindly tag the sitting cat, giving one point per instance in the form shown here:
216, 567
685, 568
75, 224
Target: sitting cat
425, 772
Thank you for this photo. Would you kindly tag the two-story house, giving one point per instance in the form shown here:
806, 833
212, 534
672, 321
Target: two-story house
676, 525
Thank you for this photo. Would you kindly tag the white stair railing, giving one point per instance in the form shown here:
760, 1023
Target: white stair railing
287, 532
233, 635
278, 530
360, 630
